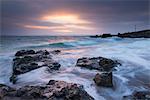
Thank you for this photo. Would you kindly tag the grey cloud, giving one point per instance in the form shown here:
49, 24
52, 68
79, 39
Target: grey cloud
104, 14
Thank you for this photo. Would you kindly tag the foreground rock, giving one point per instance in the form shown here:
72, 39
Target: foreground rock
54, 90
104, 65
24, 52
140, 95
28, 60
97, 63
104, 79
4, 90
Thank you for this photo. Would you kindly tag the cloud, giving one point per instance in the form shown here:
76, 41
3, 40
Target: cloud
36, 27
80, 27
63, 23
63, 31
44, 27
20, 17
64, 19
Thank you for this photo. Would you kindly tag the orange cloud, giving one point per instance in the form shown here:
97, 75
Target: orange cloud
66, 23
36, 27
63, 31
44, 27
64, 19
79, 27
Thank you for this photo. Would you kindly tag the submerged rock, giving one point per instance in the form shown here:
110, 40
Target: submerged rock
28, 60
97, 63
104, 79
138, 95
54, 90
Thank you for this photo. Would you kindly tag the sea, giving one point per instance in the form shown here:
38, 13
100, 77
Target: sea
132, 75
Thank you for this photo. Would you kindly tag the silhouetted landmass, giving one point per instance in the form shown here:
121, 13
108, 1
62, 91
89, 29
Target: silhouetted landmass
138, 34
103, 35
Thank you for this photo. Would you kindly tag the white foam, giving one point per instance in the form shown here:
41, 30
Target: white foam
32, 77
133, 54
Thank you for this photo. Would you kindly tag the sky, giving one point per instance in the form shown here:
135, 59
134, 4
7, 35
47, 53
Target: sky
73, 17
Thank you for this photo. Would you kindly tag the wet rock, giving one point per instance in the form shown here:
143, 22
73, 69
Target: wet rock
13, 78
54, 90
104, 79
28, 60
68, 91
56, 52
24, 52
107, 64
23, 68
52, 65
43, 52
4, 90
97, 63
138, 95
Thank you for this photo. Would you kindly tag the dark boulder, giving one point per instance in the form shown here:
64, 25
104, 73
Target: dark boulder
13, 78
23, 68
43, 52
97, 63
138, 95
52, 65
28, 60
56, 52
104, 79
24, 52
68, 91
54, 90
107, 64
23, 60
4, 90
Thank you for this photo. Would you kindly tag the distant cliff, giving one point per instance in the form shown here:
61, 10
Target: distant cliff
137, 34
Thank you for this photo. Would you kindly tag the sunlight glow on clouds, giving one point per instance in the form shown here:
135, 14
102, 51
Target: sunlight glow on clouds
64, 31
80, 27
36, 27
64, 19
65, 23
75, 17
44, 27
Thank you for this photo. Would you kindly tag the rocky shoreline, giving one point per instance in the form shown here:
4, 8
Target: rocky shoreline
54, 90
27, 60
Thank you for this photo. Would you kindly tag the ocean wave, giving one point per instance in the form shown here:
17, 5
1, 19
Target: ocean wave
63, 44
